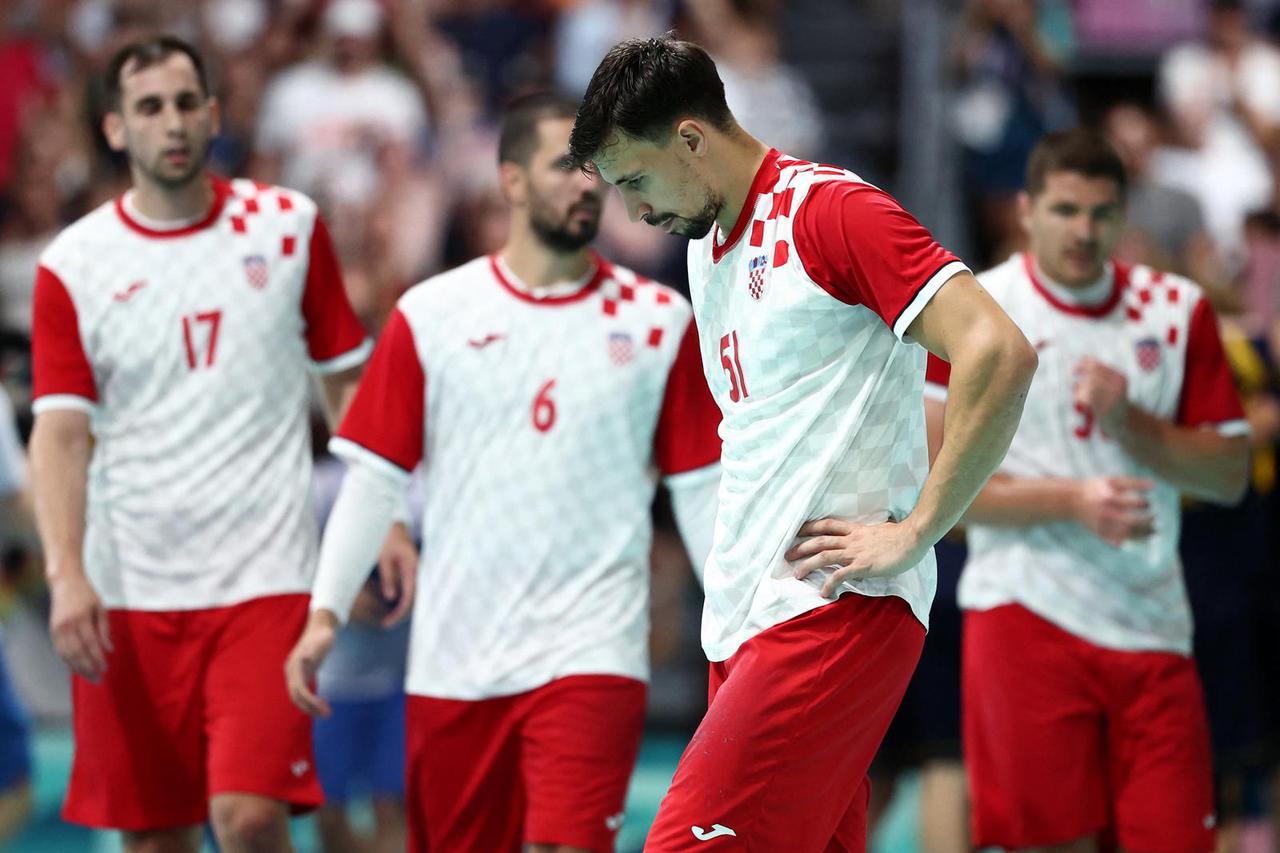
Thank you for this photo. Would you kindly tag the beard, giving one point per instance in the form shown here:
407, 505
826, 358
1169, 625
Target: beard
557, 233
697, 226
171, 178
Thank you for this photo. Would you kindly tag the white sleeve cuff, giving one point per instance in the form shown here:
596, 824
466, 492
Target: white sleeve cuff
353, 536
54, 402
935, 392
1231, 429
923, 295
350, 452
350, 358
694, 502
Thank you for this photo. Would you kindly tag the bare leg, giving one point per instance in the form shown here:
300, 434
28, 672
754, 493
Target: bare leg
15, 808
183, 839
389, 826
336, 834
944, 808
1080, 845
248, 823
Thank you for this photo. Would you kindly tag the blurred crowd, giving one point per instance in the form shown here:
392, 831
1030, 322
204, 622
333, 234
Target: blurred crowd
385, 112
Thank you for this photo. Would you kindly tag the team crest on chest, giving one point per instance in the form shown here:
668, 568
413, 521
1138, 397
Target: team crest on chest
621, 348
255, 271
755, 276
1148, 350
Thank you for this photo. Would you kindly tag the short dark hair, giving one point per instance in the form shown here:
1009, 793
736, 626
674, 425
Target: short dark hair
1078, 150
519, 136
145, 53
641, 87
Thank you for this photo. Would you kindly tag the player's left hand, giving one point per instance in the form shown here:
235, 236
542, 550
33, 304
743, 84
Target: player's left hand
860, 550
304, 660
1105, 391
398, 572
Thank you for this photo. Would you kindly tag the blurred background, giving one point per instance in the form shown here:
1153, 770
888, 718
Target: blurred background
385, 111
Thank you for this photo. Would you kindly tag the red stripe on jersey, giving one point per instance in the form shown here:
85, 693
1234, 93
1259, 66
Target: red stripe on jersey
687, 435
221, 192
1157, 277
757, 233
288, 244
764, 181
250, 205
1208, 393
332, 327
58, 361
858, 244
627, 293
610, 307
655, 336
1133, 314
387, 413
286, 203
1144, 296
238, 224
1173, 336
663, 298
1119, 281
781, 252
1173, 295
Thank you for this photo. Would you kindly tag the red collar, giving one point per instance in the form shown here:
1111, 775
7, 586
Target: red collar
766, 177
221, 191
1119, 280
592, 285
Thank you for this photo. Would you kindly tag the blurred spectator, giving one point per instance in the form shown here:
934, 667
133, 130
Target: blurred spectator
1223, 96
1013, 91
586, 29
768, 97
29, 220
1165, 226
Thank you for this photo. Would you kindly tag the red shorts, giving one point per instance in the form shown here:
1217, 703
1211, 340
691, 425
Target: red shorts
794, 718
550, 766
193, 704
1064, 740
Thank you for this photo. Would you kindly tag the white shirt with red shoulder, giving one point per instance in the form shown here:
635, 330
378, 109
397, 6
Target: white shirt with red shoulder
1158, 330
543, 420
803, 312
191, 348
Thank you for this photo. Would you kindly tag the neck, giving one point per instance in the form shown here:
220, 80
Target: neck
163, 203
536, 265
739, 167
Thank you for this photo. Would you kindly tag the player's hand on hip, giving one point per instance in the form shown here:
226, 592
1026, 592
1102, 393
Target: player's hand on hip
1104, 390
398, 573
303, 662
854, 550
1115, 509
78, 624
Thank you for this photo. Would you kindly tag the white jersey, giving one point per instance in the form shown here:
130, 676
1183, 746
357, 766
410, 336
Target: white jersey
543, 423
1159, 332
803, 310
190, 350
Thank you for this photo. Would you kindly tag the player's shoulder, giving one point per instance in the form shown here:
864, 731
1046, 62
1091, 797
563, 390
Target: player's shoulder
78, 243
1146, 286
459, 286
254, 198
620, 284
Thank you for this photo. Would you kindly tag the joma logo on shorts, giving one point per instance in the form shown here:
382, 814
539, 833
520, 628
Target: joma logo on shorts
716, 831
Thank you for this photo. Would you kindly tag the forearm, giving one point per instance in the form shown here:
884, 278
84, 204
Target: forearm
59, 467
987, 391
1198, 461
1024, 501
357, 526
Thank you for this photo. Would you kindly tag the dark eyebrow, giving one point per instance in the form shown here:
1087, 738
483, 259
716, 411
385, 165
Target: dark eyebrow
626, 178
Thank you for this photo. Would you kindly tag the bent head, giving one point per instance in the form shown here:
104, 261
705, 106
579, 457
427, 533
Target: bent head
560, 203
651, 115
160, 111
1073, 205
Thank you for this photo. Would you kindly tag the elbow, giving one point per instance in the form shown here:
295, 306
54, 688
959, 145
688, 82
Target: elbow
1015, 359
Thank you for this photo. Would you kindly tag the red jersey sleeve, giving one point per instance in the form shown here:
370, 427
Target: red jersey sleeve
687, 436
860, 246
335, 338
1209, 393
59, 363
386, 415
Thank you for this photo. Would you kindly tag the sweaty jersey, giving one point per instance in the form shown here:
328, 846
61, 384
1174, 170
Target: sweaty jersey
190, 350
803, 311
1158, 330
543, 420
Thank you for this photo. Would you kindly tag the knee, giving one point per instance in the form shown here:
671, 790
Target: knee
248, 823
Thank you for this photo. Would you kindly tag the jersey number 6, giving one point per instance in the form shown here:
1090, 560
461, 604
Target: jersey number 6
544, 408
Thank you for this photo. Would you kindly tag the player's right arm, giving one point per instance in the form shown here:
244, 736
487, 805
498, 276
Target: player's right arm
64, 395
1113, 508
381, 441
